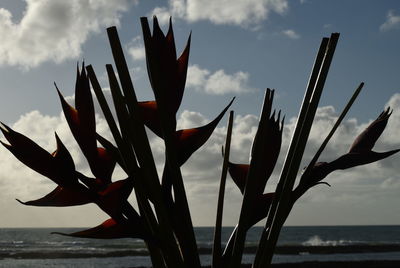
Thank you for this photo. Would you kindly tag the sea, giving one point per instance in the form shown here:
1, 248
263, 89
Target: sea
37, 247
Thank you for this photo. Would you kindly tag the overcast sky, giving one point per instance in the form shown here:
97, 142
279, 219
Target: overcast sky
239, 48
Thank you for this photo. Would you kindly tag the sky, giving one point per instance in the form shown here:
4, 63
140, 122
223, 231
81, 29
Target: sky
239, 48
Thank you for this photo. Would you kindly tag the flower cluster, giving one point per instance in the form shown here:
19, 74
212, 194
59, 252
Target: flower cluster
163, 218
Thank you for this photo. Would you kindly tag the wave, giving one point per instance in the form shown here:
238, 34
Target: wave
317, 241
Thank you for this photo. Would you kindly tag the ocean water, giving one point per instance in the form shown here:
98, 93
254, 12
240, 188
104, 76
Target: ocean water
36, 247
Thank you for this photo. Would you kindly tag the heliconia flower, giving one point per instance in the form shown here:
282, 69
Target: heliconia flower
189, 140
81, 121
167, 73
261, 208
262, 202
266, 144
111, 229
360, 152
238, 174
273, 132
149, 114
62, 197
111, 200
58, 166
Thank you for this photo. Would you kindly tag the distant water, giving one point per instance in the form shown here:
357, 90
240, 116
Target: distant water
36, 247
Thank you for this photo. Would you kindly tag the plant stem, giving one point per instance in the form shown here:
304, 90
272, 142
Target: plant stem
217, 251
287, 179
145, 158
311, 84
334, 128
251, 188
127, 156
184, 230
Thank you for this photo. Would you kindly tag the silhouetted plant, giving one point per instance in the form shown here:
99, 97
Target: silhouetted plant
163, 220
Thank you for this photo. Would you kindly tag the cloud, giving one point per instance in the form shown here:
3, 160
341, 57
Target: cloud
359, 190
363, 187
136, 49
54, 30
291, 34
392, 22
232, 12
219, 82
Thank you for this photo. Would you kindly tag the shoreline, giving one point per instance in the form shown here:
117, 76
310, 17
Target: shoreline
280, 250
317, 264
349, 264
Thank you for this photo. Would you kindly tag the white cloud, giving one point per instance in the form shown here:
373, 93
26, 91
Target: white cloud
359, 190
392, 22
190, 119
291, 34
234, 12
54, 30
136, 48
219, 82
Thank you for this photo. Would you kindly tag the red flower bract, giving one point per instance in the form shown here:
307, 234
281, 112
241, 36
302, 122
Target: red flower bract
189, 140
167, 74
110, 229
360, 152
272, 134
81, 121
62, 197
59, 166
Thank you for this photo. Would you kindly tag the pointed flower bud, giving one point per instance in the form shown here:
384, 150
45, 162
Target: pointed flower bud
360, 152
81, 121
167, 74
59, 166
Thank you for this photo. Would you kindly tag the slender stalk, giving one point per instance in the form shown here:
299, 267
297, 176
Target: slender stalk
145, 158
127, 157
105, 108
251, 188
300, 190
123, 117
306, 100
226, 256
184, 227
217, 250
293, 160
334, 128
139, 140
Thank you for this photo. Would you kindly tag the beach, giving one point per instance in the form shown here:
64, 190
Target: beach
307, 246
